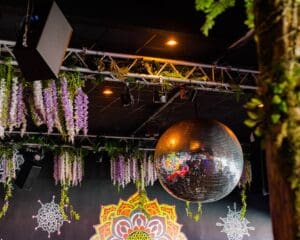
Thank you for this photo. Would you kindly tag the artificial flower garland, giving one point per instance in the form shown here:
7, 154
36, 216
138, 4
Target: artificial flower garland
60, 104
12, 106
133, 169
68, 171
8, 166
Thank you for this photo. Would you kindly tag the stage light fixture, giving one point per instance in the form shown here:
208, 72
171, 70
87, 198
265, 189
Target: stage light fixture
127, 98
171, 42
107, 91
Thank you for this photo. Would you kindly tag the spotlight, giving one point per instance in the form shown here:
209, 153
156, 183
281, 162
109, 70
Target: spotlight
107, 91
159, 97
127, 98
171, 42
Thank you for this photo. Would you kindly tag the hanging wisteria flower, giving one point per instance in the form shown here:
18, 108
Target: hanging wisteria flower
68, 168
38, 103
85, 113
2, 96
79, 114
57, 122
13, 104
68, 109
123, 171
48, 104
21, 110
68, 171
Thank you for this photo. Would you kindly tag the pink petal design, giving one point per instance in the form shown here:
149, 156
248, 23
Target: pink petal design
138, 219
164, 238
122, 226
156, 226
114, 238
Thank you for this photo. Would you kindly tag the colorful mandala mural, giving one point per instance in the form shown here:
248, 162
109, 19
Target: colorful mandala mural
138, 218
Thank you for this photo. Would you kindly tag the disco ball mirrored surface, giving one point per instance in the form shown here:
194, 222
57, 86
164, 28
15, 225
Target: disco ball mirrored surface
199, 160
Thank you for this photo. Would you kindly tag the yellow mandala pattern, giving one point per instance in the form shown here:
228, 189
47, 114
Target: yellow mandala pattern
138, 218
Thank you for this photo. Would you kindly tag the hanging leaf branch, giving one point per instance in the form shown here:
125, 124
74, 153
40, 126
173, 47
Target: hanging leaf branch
195, 216
244, 183
8, 173
68, 171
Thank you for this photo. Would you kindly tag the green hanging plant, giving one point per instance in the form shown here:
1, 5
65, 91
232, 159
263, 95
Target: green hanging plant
65, 204
244, 202
8, 187
195, 216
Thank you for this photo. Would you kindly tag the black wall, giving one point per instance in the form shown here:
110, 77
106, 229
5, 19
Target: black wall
97, 190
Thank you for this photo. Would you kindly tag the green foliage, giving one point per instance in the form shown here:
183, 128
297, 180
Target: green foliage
249, 11
212, 9
244, 202
74, 82
195, 216
256, 115
8, 187
65, 204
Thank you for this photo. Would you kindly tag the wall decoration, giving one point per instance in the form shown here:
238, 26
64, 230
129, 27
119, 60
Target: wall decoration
49, 217
138, 218
235, 226
198, 160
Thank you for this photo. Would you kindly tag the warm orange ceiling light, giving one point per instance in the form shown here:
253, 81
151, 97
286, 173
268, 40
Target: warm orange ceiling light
107, 91
171, 42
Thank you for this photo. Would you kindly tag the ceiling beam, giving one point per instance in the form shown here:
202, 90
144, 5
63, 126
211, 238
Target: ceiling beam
205, 77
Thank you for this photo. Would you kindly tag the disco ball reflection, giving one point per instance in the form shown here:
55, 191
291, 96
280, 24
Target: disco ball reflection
199, 160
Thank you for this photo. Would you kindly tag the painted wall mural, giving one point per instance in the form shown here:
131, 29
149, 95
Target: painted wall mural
138, 218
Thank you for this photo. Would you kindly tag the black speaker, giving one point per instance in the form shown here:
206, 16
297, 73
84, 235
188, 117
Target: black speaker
28, 173
42, 41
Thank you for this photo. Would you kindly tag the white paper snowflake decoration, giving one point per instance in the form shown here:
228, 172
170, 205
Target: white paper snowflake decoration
49, 217
19, 159
234, 226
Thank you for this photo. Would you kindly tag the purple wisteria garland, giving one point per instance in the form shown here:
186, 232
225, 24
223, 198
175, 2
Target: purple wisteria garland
12, 106
68, 171
132, 169
68, 168
62, 105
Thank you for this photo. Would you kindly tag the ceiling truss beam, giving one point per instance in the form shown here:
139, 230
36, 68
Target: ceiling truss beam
118, 67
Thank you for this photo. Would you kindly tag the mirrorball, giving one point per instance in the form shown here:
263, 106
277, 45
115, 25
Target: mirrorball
199, 160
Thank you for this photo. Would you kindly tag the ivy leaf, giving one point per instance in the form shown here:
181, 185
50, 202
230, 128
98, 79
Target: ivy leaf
275, 118
252, 115
283, 107
250, 123
258, 131
276, 99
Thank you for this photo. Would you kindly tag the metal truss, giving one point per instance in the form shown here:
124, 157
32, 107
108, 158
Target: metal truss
166, 73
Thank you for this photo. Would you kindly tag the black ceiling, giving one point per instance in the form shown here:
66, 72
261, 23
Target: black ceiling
125, 27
